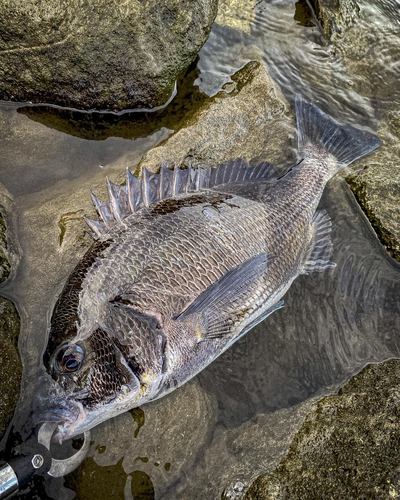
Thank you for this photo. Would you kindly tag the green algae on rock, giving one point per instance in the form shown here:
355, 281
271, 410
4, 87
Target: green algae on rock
105, 54
348, 446
10, 362
249, 119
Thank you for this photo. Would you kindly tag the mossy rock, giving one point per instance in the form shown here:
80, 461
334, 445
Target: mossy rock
10, 362
348, 446
103, 54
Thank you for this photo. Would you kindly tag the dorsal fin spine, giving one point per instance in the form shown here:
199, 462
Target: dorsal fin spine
174, 181
96, 226
103, 210
113, 200
169, 183
133, 185
145, 187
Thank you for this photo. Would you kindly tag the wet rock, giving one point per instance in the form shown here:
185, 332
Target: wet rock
236, 455
10, 362
238, 14
348, 446
377, 189
303, 14
103, 55
335, 16
5, 266
99, 126
250, 119
367, 52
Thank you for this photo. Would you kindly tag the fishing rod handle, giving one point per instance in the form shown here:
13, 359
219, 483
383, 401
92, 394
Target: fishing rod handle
8, 481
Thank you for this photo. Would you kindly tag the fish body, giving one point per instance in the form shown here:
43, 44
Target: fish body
184, 263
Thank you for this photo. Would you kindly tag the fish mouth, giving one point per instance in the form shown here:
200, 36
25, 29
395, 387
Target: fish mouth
68, 415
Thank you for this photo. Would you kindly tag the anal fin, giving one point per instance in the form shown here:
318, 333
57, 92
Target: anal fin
321, 248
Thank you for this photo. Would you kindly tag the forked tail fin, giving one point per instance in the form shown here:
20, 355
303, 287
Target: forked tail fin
345, 142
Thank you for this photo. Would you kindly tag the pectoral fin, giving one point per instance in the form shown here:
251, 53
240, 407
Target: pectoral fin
230, 302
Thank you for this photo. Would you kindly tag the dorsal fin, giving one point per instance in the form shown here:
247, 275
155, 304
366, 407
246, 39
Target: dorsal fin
152, 188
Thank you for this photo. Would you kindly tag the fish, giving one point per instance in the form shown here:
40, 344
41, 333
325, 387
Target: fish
183, 264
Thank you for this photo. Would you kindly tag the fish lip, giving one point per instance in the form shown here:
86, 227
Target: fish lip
65, 413
70, 428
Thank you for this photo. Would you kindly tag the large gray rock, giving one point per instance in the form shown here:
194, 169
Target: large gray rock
348, 446
105, 54
250, 119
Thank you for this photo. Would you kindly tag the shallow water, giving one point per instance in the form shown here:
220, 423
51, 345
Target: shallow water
229, 423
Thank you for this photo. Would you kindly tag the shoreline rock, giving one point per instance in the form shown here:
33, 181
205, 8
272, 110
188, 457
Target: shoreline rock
348, 446
103, 55
335, 16
365, 51
377, 190
236, 123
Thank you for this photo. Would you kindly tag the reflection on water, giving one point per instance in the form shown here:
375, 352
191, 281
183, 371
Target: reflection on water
97, 126
228, 423
93, 481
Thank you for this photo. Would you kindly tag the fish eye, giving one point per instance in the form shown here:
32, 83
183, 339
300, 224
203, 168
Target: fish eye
69, 358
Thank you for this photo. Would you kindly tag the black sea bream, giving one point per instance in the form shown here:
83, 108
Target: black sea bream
183, 264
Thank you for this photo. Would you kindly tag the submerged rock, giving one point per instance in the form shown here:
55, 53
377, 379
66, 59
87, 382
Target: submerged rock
348, 446
103, 55
368, 52
377, 189
335, 16
237, 14
249, 119
10, 362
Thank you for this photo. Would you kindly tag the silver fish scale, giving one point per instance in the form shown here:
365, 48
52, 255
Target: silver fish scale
167, 261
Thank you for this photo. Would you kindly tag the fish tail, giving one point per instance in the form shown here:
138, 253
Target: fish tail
317, 130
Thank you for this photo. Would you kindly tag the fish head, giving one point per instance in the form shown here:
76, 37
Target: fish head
111, 369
